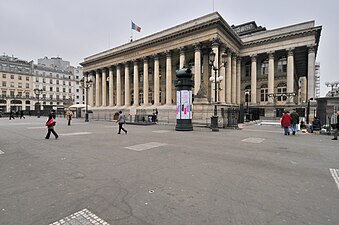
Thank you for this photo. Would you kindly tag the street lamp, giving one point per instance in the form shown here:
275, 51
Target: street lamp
38, 92
216, 80
86, 84
247, 94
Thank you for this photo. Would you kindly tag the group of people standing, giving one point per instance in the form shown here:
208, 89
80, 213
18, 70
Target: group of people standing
290, 122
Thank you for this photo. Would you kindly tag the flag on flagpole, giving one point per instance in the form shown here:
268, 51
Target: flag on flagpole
135, 27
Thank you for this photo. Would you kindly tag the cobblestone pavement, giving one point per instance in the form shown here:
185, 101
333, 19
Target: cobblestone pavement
155, 175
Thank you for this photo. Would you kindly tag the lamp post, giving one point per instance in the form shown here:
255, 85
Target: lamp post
86, 84
38, 92
215, 79
247, 94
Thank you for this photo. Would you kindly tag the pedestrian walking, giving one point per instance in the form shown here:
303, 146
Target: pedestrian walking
294, 121
11, 116
286, 122
69, 115
22, 114
336, 131
121, 121
50, 125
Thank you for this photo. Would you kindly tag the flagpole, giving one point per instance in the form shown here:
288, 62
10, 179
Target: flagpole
131, 32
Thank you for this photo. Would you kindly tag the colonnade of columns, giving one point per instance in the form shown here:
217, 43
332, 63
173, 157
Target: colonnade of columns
229, 92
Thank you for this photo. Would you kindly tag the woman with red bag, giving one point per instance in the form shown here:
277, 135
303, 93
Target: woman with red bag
286, 122
50, 125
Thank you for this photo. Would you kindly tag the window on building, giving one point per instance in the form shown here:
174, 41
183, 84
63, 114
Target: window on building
4, 76
51, 103
4, 83
12, 84
19, 94
282, 90
19, 77
57, 82
264, 67
69, 90
64, 82
37, 79
63, 97
77, 96
11, 93
27, 85
43, 80
27, 78
50, 88
44, 88
57, 89
264, 93
4, 93
44, 96
50, 96
64, 90
77, 90
70, 83
12, 77
27, 94
247, 69
57, 75
282, 65
19, 85
50, 81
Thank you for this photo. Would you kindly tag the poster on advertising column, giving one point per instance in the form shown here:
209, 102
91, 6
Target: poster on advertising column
186, 104
178, 105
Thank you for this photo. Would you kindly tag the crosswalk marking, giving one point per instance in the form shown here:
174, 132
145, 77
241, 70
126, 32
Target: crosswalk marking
160, 131
81, 217
334, 173
76, 133
145, 146
254, 140
33, 128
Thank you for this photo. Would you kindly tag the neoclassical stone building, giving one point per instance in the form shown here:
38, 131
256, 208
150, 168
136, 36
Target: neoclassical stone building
276, 67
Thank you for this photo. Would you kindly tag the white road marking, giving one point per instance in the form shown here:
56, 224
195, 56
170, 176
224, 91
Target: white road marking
160, 131
32, 128
145, 146
77, 133
335, 176
1, 152
82, 217
268, 131
254, 140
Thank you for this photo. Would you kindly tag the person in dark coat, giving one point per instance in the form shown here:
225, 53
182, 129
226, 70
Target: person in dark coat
50, 127
336, 131
22, 114
286, 122
11, 116
294, 121
316, 125
121, 121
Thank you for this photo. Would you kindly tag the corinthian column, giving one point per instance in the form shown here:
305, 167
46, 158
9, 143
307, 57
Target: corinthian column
127, 95
156, 91
290, 75
168, 78
311, 72
104, 90
197, 67
97, 89
136, 84
145, 81
118, 94
234, 79
91, 91
111, 101
222, 73
229, 77
182, 57
270, 76
238, 80
254, 80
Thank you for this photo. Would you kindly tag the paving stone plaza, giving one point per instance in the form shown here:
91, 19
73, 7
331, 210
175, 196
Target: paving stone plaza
156, 175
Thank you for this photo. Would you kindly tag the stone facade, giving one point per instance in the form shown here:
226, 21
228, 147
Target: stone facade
267, 63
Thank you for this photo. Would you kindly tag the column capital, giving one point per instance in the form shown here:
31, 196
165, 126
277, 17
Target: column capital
156, 56
145, 59
205, 49
234, 56
197, 46
135, 62
215, 42
229, 51
182, 50
253, 57
270, 54
290, 51
238, 59
311, 48
168, 53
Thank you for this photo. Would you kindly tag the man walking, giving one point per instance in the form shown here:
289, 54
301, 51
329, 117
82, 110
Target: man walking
121, 121
294, 121
336, 131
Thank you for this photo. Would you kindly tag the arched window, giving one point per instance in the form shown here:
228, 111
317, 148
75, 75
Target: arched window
263, 93
247, 69
28, 102
282, 90
282, 65
264, 67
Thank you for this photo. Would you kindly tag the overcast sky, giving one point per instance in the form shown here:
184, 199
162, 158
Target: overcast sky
75, 29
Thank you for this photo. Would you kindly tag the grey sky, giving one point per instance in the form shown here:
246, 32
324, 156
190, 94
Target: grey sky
75, 29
